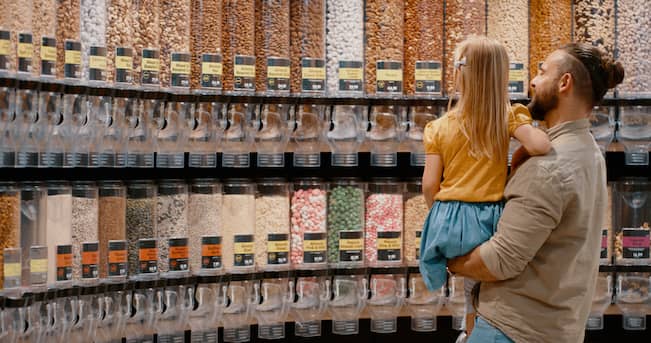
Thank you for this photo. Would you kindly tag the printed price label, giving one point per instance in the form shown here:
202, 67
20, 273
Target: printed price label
180, 69
604, 244
147, 256
64, 262
278, 248
243, 249
211, 252
388, 246
117, 258
150, 67
389, 76
418, 239
516, 78
38, 265
12, 267
313, 75
123, 65
428, 75
351, 76
635, 243
178, 254
5, 50
72, 59
314, 247
48, 56
97, 64
278, 74
90, 260
351, 246
211, 71
25, 52
244, 72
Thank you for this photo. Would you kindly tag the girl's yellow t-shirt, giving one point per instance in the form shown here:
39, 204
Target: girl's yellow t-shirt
464, 177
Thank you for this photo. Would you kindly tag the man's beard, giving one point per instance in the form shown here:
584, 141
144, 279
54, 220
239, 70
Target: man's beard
541, 103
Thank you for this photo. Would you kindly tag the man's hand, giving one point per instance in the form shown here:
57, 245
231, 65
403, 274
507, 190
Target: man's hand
519, 157
471, 265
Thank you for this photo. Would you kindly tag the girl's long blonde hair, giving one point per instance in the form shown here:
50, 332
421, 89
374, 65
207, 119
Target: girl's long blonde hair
482, 77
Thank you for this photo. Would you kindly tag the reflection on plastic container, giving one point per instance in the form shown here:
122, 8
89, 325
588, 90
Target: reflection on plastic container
603, 126
635, 133
423, 304
7, 121
417, 119
385, 134
173, 320
29, 128
142, 131
143, 303
237, 315
457, 302
81, 132
308, 135
205, 135
388, 293
209, 300
57, 131
348, 125
312, 296
349, 296
600, 301
238, 137
272, 130
276, 296
633, 299
173, 131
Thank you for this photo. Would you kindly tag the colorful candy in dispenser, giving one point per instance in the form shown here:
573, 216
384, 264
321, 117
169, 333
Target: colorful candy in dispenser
346, 223
384, 222
308, 224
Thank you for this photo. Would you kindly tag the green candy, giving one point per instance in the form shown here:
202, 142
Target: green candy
345, 213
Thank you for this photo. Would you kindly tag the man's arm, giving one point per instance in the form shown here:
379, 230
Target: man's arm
533, 210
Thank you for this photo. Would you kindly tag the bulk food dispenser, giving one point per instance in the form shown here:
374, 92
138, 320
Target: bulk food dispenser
423, 304
348, 300
57, 133
347, 131
209, 300
237, 315
276, 296
633, 216
125, 112
143, 129
310, 302
172, 320
385, 134
238, 135
205, 133
635, 133
171, 138
602, 120
456, 302
633, 299
602, 298
272, 129
7, 122
308, 135
388, 290
82, 130
108, 150
417, 119
30, 126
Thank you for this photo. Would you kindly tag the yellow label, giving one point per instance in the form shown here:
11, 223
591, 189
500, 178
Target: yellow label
180, 67
418, 238
350, 73
212, 68
316, 245
516, 75
124, 62
243, 248
12, 269
38, 266
389, 243
428, 74
73, 57
97, 62
5, 45
277, 246
351, 244
48, 53
243, 70
25, 50
312, 73
151, 64
278, 72
389, 74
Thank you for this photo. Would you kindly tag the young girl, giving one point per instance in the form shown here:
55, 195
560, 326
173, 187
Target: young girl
466, 165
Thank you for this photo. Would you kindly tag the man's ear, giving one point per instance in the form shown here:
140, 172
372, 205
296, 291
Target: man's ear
565, 83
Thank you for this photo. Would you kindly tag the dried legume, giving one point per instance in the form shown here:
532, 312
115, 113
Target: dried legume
68, 28
550, 27
239, 24
423, 37
9, 227
307, 42
384, 42
112, 226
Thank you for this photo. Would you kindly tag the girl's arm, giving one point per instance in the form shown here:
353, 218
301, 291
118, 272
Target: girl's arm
534, 140
432, 177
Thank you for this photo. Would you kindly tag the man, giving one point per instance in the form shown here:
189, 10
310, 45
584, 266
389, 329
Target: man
538, 271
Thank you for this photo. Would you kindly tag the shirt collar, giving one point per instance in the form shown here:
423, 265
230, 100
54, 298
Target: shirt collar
568, 127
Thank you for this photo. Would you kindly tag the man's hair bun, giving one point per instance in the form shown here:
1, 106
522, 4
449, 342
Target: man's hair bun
615, 72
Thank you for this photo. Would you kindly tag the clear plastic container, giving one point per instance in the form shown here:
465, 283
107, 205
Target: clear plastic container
346, 223
142, 130
345, 47
309, 236
348, 125
423, 73
600, 301
239, 45
633, 215
238, 135
205, 226
456, 302
384, 47
416, 212
385, 134
173, 131
603, 126
141, 222
8, 122
112, 219
423, 304
115, 313
310, 304
59, 230
10, 271
172, 322
144, 303
29, 125
633, 47
209, 302
272, 46
68, 36
205, 134
308, 53
85, 222
349, 297
79, 130
121, 33
384, 222
19, 15
417, 119
94, 20
387, 295
175, 57
272, 136
633, 299
272, 225
464, 18
172, 228
87, 303
238, 315
308, 136
276, 293
57, 131
33, 234
146, 64
635, 133
44, 28
207, 59
238, 215
110, 150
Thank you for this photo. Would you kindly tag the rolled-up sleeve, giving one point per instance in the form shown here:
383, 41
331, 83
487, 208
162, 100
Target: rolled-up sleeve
533, 209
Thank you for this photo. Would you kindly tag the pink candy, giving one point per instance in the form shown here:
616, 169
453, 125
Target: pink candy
383, 214
308, 207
